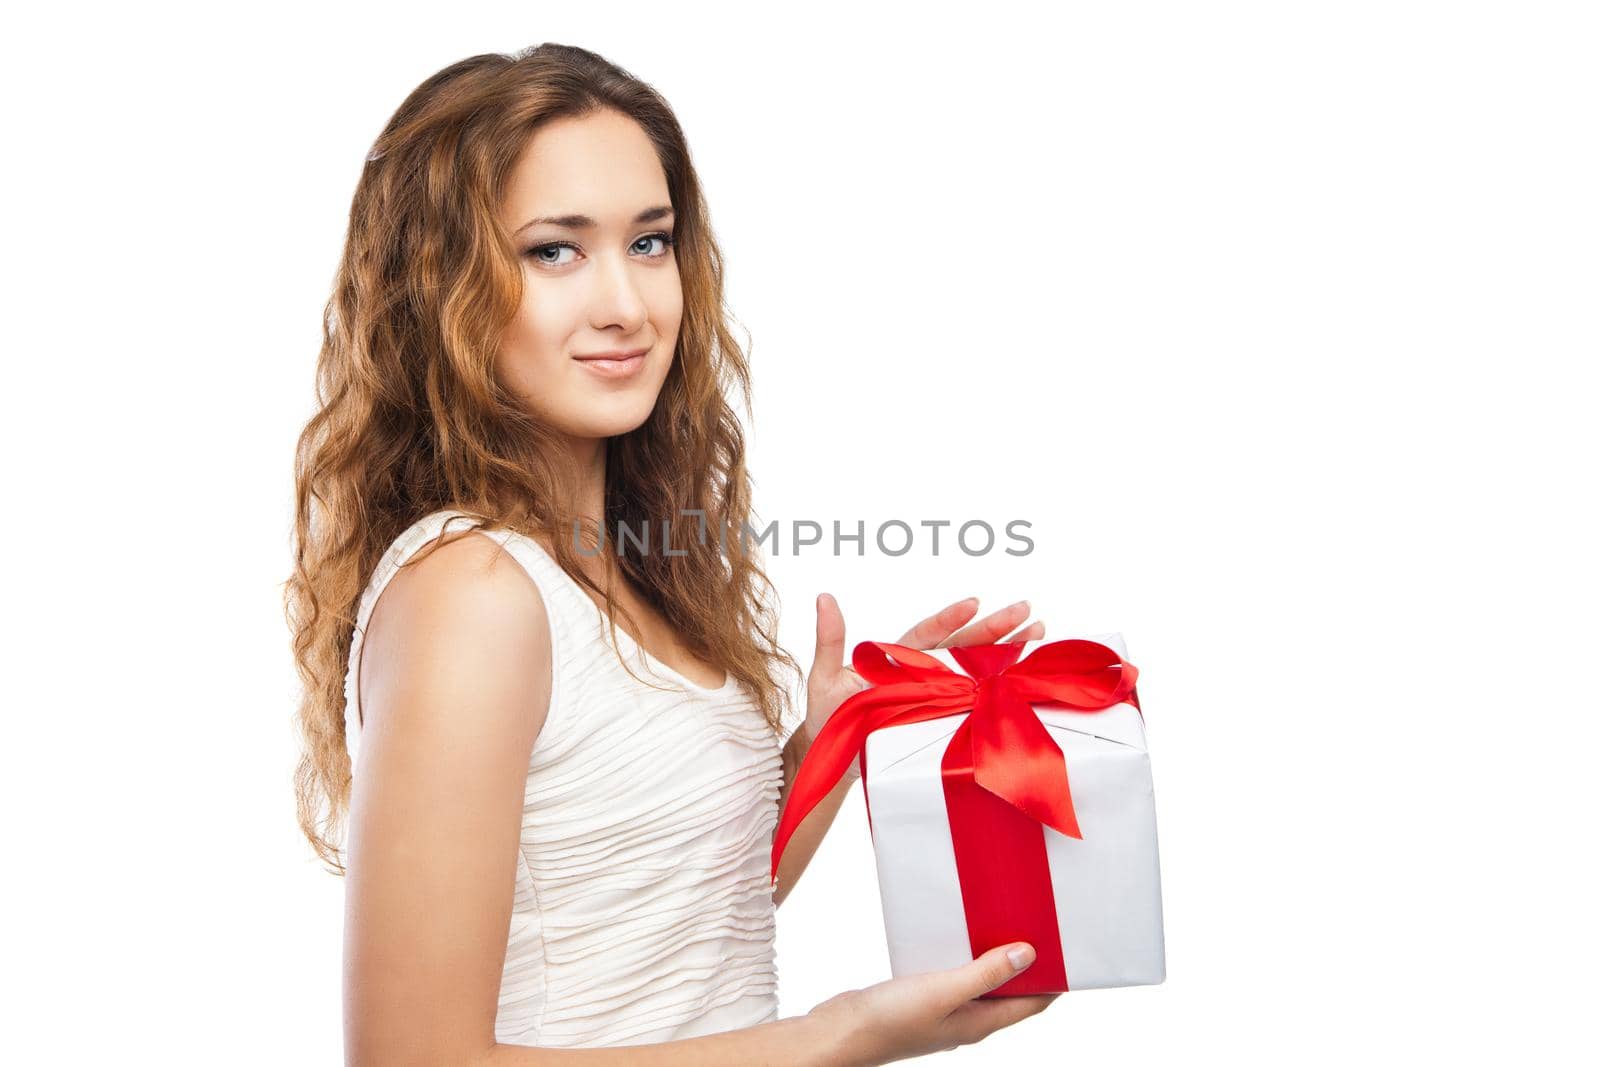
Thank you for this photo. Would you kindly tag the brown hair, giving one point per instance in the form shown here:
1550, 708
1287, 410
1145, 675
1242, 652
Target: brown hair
411, 418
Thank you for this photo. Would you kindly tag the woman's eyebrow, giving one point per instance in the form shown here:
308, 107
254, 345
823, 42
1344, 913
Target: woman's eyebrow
584, 222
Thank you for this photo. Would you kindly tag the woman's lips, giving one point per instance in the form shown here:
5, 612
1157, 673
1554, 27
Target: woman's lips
614, 368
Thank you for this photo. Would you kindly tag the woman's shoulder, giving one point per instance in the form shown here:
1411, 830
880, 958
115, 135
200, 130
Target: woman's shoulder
466, 553
461, 575
457, 616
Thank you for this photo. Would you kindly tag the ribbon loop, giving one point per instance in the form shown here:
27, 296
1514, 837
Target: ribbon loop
880, 662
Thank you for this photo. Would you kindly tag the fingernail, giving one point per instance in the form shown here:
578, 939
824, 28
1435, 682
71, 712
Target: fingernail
970, 600
1020, 956
1018, 604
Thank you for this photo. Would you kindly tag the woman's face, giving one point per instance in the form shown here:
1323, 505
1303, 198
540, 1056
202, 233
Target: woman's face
590, 216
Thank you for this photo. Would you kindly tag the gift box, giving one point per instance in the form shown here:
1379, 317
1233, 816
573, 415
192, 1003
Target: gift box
1009, 796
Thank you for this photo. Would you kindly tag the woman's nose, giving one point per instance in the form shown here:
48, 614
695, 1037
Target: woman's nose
617, 300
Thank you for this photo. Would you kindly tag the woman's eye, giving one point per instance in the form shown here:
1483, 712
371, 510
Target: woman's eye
665, 239
539, 253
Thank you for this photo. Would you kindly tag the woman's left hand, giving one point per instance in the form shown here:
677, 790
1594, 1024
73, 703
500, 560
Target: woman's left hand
832, 682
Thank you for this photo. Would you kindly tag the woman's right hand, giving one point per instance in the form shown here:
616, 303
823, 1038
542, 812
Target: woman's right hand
924, 1013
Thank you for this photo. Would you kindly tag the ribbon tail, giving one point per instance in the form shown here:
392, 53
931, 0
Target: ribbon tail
844, 736
823, 766
1016, 759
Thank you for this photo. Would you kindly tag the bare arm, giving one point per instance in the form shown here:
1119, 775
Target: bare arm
455, 686
796, 1042
455, 682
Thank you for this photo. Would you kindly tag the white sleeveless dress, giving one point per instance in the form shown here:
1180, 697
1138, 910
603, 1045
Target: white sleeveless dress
642, 909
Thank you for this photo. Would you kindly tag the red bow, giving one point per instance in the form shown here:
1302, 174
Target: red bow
1011, 753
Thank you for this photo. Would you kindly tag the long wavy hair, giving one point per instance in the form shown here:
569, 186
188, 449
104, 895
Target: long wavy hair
411, 417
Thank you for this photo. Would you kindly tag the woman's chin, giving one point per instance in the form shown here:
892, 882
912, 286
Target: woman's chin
611, 420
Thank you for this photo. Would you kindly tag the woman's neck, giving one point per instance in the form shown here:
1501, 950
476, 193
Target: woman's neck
588, 459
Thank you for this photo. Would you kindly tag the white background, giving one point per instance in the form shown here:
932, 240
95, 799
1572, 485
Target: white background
1277, 321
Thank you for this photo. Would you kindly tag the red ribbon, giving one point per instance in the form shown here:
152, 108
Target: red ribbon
1004, 776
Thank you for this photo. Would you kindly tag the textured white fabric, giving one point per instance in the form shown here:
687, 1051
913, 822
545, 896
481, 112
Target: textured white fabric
642, 909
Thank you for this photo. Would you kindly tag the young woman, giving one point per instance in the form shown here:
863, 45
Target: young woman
559, 754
